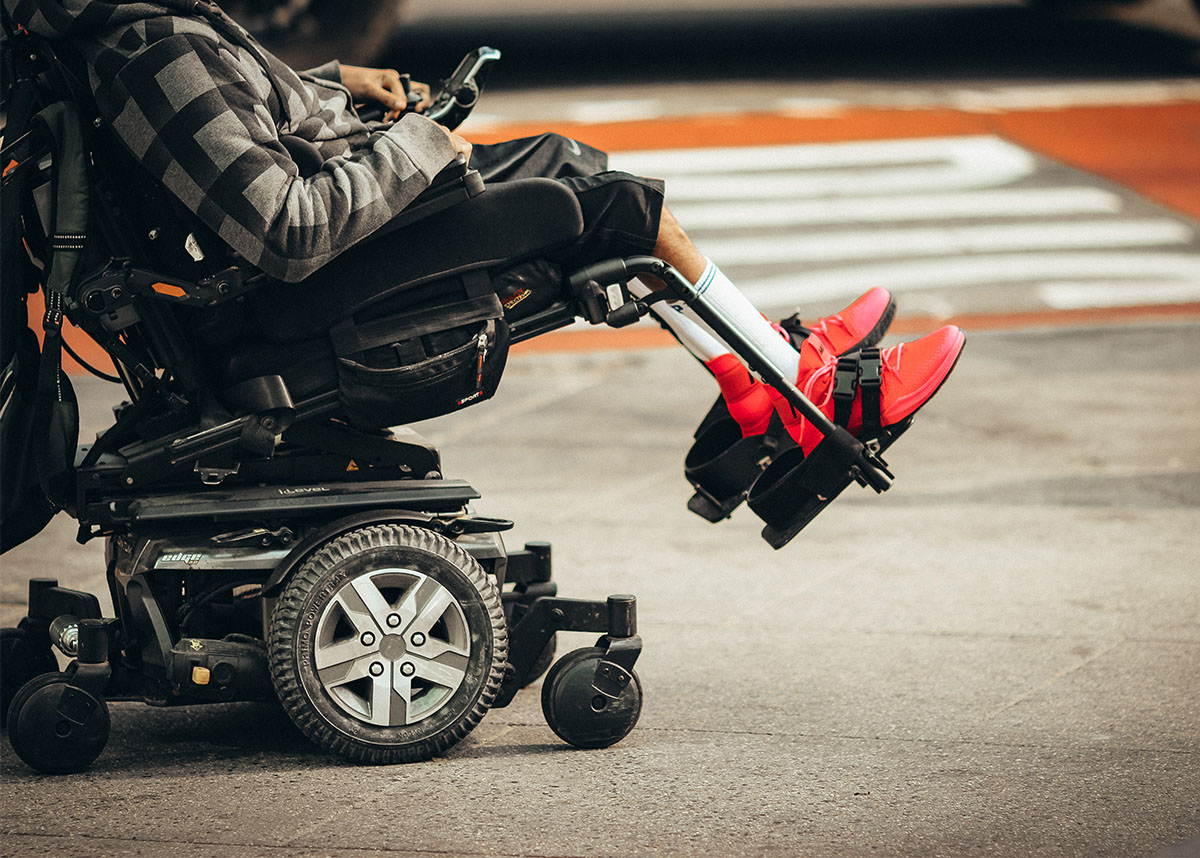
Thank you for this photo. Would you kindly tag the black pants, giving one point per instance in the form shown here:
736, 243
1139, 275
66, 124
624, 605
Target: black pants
621, 211
621, 215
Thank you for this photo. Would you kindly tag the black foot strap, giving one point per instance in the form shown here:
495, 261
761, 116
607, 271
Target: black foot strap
860, 372
722, 465
795, 487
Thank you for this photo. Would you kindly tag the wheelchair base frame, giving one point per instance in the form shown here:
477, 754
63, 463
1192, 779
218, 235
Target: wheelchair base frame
163, 650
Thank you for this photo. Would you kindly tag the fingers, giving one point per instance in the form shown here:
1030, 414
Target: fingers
462, 146
388, 90
424, 91
386, 87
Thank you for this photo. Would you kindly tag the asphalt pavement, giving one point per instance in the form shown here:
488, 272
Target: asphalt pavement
998, 657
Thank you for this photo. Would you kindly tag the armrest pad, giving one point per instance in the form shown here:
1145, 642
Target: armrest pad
455, 184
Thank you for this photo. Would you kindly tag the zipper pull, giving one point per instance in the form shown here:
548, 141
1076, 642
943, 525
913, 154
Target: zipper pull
481, 346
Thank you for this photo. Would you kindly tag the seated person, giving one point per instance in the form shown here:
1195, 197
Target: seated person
203, 107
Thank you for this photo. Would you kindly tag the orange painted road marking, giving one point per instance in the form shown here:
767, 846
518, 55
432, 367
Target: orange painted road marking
648, 337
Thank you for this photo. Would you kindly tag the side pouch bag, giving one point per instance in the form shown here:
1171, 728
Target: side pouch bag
420, 364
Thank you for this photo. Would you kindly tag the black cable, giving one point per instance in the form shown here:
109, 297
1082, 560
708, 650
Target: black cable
104, 375
188, 609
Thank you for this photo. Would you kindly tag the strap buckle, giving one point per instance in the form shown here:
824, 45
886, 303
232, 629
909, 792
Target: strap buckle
870, 378
845, 378
870, 368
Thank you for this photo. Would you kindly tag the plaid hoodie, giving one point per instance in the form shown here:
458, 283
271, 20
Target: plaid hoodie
203, 106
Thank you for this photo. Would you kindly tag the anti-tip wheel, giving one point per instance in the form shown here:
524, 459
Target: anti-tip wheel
22, 657
578, 713
57, 729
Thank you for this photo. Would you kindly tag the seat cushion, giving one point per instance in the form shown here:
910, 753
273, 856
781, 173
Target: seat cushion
508, 223
308, 367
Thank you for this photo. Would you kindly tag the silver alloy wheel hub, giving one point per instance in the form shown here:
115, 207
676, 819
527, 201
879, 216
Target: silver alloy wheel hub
390, 674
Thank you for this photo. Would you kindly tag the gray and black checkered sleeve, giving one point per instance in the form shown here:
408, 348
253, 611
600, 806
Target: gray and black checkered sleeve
188, 111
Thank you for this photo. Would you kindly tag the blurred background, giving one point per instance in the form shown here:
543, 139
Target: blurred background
1065, 157
309, 31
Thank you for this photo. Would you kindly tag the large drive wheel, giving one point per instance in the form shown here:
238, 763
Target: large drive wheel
21, 659
578, 713
388, 645
50, 741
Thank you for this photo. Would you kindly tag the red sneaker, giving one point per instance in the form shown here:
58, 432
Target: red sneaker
860, 325
908, 376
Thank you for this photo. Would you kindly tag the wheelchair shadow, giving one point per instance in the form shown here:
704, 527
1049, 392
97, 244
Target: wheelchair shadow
509, 750
229, 738
225, 737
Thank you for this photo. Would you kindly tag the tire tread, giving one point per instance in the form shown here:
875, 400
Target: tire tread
287, 615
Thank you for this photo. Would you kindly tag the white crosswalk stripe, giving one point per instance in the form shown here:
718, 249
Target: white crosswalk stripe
964, 223
1002, 203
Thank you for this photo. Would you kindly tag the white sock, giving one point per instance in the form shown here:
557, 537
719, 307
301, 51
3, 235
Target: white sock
719, 291
696, 338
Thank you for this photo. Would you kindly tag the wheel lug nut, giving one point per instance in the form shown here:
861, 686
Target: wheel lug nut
367, 639
417, 639
407, 668
376, 668
393, 620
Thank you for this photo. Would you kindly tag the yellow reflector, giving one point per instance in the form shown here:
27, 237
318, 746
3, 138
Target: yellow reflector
201, 675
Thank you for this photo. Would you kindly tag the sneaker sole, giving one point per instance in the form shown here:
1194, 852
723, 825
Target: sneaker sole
880, 330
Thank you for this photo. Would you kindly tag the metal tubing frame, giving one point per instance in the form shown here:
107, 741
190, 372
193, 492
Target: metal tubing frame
869, 469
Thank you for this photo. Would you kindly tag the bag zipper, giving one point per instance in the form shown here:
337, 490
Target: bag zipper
481, 354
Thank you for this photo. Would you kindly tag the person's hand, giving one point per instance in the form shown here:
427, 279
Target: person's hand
461, 144
383, 85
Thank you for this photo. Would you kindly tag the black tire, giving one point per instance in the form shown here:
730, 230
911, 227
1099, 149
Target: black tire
580, 715
45, 740
322, 615
21, 659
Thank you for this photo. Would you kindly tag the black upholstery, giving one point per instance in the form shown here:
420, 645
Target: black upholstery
308, 367
202, 350
508, 223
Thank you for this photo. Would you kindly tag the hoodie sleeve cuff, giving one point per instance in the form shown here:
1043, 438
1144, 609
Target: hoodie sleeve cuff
425, 143
330, 71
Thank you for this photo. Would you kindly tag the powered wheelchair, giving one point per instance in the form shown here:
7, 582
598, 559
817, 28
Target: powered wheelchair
267, 536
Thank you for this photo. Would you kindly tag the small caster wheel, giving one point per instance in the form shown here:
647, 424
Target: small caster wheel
21, 659
57, 729
577, 712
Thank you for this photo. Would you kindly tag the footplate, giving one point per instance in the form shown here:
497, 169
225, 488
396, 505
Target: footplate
722, 465
795, 488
